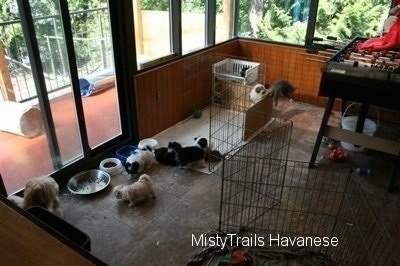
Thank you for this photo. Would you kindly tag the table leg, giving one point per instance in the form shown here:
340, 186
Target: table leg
344, 105
324, 123
361, 117
3, 190
391, 186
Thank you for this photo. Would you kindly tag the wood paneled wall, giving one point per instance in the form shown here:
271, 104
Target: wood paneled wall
303, 70
170, 93
291, 63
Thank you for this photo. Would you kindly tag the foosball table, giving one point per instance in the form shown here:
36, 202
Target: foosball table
369, 78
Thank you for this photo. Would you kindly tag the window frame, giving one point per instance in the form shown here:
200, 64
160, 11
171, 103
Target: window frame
210, 31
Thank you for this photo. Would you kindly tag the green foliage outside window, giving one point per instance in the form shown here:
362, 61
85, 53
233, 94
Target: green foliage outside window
48, 26
286, 20
274, 20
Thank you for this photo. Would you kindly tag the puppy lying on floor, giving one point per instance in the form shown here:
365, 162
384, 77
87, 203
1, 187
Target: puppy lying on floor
189, 155
40, 191
165, 156
209, 155
201, 142
168, 156
135, 192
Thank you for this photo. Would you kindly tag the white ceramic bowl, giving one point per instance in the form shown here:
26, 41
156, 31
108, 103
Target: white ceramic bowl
152, 143
113, 166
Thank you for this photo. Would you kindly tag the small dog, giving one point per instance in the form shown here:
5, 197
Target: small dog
257, 93
187, 155
209, 155
280, 88
139, 161
136, 192
201, 143
165, 156
40, 191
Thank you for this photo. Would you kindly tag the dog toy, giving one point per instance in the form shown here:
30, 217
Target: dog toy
197, 113
338, 154
237, 258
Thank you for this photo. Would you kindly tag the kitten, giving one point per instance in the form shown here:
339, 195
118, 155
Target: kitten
280, 88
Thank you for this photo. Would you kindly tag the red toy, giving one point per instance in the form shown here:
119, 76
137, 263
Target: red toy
338, 154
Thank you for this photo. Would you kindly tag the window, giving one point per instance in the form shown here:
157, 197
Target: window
193, 25
47, 55
280, 21
287, 21
152, 30
346, 20
224, 20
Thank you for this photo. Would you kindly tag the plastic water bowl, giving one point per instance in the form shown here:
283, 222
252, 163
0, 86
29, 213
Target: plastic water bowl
123, 153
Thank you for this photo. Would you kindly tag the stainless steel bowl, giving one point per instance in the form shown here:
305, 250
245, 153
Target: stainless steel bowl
88, 182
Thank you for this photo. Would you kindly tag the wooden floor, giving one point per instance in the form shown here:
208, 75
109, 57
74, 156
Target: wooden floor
187, 201
23, 158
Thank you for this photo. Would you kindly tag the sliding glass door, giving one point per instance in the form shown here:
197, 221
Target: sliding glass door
59, 98
94, 59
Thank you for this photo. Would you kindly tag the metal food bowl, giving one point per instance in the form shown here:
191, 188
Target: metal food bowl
88, 182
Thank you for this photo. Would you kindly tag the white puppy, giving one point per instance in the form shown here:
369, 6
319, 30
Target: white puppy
40, 191
139, 161
257, 93
136, 192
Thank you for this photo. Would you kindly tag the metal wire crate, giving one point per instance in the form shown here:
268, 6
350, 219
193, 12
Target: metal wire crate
281, 199
253, 131
235, 70
234, 118
233, 79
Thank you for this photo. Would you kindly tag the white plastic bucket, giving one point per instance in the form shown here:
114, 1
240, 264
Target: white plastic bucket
350, 122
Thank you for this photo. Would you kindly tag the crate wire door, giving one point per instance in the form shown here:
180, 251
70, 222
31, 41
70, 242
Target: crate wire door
293, 200
251, 183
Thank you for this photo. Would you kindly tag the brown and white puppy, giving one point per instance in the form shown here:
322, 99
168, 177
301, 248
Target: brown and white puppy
40, 191
135, 192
